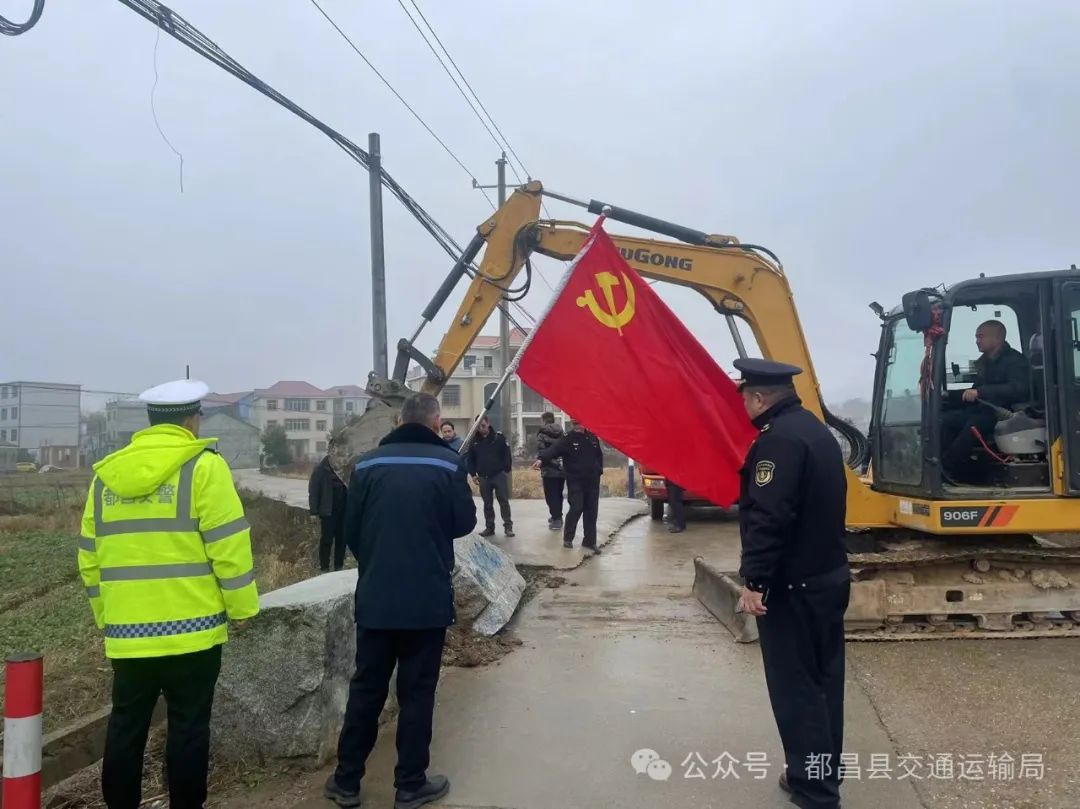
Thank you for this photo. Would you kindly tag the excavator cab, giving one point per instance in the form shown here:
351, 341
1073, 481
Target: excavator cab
1026, 447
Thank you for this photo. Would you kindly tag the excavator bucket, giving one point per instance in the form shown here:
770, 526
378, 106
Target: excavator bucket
363, 433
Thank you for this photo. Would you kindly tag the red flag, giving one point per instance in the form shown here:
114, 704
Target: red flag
612, 354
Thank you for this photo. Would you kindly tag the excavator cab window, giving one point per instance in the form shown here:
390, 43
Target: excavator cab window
997, 441
898, 429
962, 353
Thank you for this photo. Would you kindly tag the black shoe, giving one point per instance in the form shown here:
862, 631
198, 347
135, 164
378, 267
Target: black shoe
342, 797
487, 532
436, 787
676, 529
592, 550
567, 543
555, 525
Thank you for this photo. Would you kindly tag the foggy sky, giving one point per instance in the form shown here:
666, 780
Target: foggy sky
877, 147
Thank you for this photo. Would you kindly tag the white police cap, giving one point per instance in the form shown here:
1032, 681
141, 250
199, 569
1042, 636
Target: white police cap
180, 397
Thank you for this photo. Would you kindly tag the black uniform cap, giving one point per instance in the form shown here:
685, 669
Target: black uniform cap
765, 373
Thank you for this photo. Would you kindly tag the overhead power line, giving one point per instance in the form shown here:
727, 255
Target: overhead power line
457, 84
180, 29
13, 29
509, 147
398, 95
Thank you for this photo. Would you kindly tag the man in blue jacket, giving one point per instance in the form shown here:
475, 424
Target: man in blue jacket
408, 500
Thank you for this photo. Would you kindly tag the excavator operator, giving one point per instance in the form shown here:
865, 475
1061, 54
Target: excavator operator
1002, 378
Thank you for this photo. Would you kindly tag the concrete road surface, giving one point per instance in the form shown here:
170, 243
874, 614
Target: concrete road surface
620, 658
617, 660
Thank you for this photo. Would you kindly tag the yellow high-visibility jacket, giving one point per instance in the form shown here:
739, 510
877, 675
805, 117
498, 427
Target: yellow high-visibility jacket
165, 551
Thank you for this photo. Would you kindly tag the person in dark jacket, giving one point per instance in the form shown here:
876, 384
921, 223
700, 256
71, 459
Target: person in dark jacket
489, 462
326, 500
551, 472
583, 464
796, 581
408, 500
450, 436
1002, 378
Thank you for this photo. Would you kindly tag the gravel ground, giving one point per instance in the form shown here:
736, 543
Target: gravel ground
977, 698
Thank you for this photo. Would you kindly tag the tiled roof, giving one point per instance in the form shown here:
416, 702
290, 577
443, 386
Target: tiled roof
226, 398
290, 388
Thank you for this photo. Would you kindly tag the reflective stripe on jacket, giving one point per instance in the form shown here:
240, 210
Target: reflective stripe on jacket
165, 551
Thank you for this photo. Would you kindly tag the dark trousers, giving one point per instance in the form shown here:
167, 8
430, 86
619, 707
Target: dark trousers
957, 441
675, 494
496, 487
418, 655
333, 537
553, 494
802, 647
188, 682
584, 497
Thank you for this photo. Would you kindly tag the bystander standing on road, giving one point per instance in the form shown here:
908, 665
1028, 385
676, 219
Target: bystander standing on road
326, 500
489, 461
450, 436
408, 500
551, 472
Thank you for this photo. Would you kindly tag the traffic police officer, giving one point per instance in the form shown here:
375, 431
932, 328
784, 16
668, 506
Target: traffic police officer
796, 577
165, 556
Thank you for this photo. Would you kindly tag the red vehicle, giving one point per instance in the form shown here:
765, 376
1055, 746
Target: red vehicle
655, 489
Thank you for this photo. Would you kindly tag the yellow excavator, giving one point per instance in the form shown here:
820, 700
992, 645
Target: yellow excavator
930, 557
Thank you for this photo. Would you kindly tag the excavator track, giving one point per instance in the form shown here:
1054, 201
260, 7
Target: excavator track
934, 589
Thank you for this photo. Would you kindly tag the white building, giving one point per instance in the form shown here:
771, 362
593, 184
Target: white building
469, 387
305, 411
349, 401
123, 418
40, 414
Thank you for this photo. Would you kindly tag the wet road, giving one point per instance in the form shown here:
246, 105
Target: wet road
622, 658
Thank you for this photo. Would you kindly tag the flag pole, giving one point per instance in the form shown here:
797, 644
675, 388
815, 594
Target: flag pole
512, 368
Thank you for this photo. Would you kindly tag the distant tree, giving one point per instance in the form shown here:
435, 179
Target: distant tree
275, 445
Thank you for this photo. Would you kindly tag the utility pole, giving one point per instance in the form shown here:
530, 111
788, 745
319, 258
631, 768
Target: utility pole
506, 418
378, 261
504, 327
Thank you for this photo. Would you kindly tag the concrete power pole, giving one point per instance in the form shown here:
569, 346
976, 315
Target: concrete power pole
504, 328
506, 420
378, 261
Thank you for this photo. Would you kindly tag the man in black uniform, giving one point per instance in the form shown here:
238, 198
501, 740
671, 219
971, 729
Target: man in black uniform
583, 464
408, 500
795, 576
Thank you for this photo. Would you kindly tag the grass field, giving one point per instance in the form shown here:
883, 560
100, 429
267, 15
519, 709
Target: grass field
43, 607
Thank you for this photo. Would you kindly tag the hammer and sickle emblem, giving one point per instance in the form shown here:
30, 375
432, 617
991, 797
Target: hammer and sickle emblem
611, 317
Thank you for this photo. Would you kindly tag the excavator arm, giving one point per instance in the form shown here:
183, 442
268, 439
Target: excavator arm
740, 281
